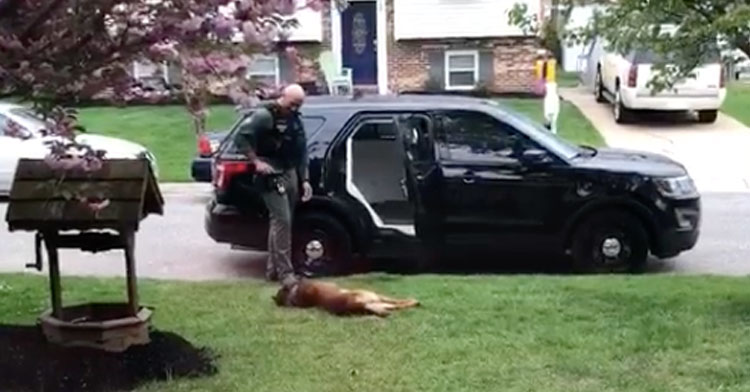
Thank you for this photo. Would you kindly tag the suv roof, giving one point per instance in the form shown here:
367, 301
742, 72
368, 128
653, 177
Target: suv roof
395, 102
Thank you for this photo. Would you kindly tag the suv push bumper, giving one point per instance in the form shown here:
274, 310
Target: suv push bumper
674, 242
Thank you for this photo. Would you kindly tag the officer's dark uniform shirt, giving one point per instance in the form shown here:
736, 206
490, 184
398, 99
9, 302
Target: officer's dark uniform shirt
276, 138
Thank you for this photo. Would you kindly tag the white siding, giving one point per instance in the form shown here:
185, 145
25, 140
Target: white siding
309, 29
310, 26
456, 18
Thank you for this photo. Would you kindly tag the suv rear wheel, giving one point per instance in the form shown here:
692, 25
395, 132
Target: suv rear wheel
610, 241
321, 245
621, 113
708, 116
599, 87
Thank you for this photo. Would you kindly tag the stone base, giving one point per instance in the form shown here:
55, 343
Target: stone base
102, 326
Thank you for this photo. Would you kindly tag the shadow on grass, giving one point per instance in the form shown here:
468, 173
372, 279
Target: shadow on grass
29, 363
501, 264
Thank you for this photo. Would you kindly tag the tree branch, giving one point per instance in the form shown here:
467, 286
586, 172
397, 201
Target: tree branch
40, 18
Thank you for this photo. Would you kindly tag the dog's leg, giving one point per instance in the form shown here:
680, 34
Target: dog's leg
400, 303
378, 308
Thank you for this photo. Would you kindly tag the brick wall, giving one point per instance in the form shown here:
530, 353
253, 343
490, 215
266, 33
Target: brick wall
513, 64
409, 60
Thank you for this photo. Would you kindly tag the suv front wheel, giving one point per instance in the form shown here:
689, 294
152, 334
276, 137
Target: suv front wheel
610, 241
321, 245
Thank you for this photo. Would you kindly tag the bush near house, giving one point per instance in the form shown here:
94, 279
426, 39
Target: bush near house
472, 333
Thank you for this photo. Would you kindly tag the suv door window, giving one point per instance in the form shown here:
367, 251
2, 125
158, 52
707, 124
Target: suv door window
475, 137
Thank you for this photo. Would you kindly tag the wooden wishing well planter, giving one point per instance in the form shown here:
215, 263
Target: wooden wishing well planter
94, 212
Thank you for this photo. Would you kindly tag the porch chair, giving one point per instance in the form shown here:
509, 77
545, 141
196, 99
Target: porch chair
339, 81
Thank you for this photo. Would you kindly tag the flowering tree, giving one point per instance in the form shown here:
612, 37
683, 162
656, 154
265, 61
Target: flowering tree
55, 52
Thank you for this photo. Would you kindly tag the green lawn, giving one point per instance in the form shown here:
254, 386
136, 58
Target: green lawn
572, 124
567, 79
167, 130
737, 103
475, 333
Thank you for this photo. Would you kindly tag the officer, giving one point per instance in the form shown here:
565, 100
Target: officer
274, 141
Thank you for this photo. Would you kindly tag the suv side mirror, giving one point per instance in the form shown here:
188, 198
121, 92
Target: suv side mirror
535, 157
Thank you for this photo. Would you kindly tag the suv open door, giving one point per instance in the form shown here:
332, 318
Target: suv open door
423, 178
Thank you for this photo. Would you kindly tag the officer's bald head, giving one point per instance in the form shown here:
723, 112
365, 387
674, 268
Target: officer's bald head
292, 97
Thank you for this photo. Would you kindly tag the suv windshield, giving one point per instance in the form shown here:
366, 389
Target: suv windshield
648, 56
537, 132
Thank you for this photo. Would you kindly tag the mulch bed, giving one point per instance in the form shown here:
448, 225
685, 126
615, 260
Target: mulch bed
29, 363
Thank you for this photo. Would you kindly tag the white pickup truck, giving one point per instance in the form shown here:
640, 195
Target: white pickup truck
624, 81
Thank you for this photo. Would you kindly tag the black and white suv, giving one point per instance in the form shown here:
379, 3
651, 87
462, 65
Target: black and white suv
452, 173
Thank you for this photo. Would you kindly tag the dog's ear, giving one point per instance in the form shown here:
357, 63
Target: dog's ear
281, 295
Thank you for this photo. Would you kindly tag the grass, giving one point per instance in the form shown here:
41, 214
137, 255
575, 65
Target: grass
737, 103
572, 125
473, 333
567, 79
165, 130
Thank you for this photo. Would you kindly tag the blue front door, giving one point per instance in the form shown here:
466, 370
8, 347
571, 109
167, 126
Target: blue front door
359, 37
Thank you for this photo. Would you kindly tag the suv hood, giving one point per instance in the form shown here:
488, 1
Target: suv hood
630, 161
116, 148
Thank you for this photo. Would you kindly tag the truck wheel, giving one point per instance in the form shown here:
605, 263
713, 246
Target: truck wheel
599, 87
610, 242
708, 116
322, 245
622, 114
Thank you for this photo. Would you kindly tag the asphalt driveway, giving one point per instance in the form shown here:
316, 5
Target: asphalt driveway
175, 246
716, 155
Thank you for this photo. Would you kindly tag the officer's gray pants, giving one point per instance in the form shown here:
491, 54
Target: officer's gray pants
281, 208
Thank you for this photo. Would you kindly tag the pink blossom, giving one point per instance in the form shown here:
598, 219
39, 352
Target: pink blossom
192, 25
223, 27
286, 7
250, 32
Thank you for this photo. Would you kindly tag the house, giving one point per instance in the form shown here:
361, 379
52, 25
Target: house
408, 45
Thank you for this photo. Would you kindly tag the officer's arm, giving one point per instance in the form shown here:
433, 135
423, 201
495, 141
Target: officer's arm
251, 130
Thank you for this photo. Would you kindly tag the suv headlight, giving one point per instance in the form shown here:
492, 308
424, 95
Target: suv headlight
681, 187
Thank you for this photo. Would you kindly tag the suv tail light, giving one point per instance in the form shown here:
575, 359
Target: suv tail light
204, 146
633, 76
225, 170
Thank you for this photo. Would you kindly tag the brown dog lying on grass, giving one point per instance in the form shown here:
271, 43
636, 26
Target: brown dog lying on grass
328, 296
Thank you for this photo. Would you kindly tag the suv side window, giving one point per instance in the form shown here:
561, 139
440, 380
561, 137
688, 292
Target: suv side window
468, 136
311, 125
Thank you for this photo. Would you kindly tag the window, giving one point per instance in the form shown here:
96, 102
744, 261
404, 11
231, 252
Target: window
310, 124
461, 69
417, 139
264, 70
377, 130
466, 136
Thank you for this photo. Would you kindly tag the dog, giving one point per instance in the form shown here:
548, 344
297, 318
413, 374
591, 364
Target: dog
307, 293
